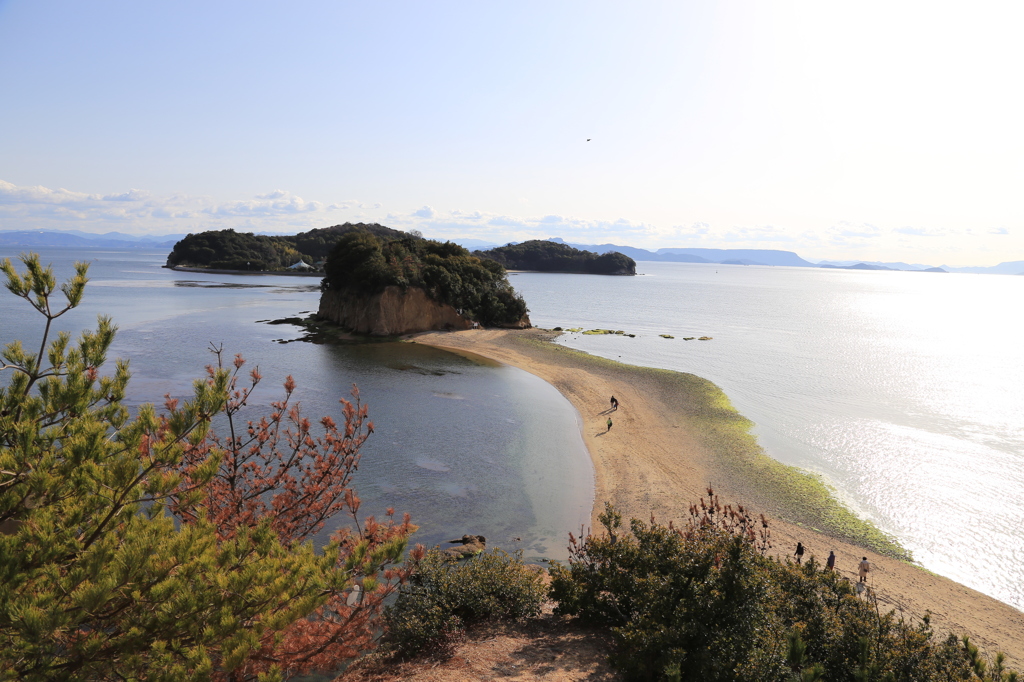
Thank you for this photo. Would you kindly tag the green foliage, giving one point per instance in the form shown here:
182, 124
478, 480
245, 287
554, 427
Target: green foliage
547, 256
443, 597
230, 250
706, 603
97, 581
365, 264
706, 412
318, 243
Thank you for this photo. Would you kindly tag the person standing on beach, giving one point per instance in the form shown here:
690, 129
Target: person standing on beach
863, 568
615, 403
609, 424
831, 563
799, 553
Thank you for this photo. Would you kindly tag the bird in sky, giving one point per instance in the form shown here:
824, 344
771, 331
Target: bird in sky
588, 139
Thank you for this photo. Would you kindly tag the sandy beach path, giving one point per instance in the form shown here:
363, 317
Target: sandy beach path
656, 459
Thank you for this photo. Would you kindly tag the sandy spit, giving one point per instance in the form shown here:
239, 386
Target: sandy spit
656, 460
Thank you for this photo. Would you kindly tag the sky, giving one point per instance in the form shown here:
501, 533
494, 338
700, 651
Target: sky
888, 131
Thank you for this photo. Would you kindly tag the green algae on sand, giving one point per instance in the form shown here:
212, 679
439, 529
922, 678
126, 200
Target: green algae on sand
787, 492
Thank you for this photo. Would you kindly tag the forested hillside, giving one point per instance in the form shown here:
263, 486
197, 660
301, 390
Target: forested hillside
230, 250
547, 256
364, 263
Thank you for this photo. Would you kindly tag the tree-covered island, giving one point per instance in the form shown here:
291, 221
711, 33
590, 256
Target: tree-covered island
546, 256
230, 250
395, 286
377, 280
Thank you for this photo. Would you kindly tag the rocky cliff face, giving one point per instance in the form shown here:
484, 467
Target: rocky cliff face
391, 312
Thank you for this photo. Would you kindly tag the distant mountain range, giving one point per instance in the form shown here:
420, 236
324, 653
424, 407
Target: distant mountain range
722, 256
72, 238
776, 257
876, 266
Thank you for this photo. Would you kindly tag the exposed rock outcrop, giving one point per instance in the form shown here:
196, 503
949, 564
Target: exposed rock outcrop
471, 546
523, 323
390, 312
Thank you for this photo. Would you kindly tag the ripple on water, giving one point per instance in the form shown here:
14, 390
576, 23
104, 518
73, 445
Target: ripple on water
432, 464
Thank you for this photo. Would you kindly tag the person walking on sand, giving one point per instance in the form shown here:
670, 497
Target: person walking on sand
831, 563
615, 403
799, 553
863, 568
609, 424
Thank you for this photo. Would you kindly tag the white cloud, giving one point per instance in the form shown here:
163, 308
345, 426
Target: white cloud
280, 211
864, 230
761, 235
504, 228
697, 231
277, 203
139, 211
464, 215
130, 195
919, 232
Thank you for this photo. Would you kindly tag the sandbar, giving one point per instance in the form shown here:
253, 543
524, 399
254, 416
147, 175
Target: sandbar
674, 435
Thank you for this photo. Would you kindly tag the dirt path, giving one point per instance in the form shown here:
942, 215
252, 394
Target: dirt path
656, 460
546, 649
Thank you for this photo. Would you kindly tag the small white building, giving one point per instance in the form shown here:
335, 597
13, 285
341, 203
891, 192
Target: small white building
300, 266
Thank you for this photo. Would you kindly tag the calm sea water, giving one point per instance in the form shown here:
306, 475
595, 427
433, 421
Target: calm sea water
904, 390
464, 447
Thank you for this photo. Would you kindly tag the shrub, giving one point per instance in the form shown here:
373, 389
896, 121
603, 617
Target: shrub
98, 581
705, 602
443, 597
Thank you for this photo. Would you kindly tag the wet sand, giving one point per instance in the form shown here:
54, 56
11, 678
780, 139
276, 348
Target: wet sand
675, 434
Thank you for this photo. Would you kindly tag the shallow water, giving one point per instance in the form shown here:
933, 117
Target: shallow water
902, 389
464, 446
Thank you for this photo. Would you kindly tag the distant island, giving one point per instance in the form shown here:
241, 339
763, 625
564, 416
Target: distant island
312, 247
698, 255
386, 286
550, 256
230, 250
875, 266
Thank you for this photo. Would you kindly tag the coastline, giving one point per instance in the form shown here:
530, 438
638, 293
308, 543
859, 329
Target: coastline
675, 434
215, 271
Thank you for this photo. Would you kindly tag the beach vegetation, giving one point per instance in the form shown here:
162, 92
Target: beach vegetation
143, 545
785, 491
444, 597
789, 492
364, 264
546, 256
705, 601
